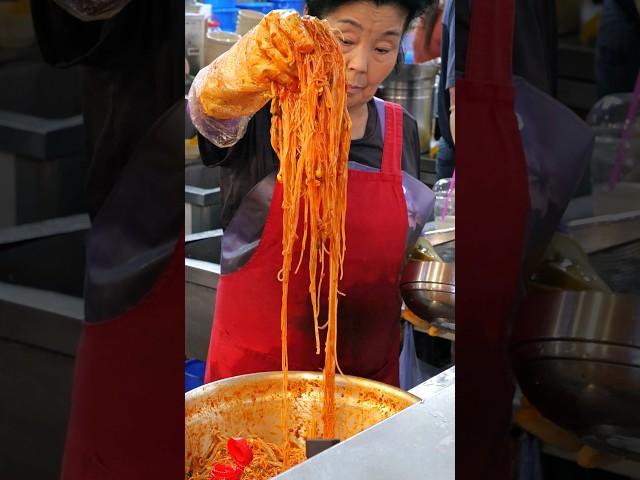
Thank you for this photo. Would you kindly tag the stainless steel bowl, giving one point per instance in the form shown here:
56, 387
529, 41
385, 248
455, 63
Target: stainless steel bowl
251, 405
429, 290
576, 355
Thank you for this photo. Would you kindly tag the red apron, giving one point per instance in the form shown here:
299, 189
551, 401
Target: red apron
246, 327
124, 424
494, 200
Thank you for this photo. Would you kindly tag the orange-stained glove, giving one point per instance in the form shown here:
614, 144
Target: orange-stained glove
238, 83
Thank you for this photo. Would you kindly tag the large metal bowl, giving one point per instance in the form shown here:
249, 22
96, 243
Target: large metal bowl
251, 405
429, 290
576, 355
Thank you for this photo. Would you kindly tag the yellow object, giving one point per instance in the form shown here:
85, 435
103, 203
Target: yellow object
423, 250
415, 320
589, 31
434, 331
434, 150
589, 457
530, 419
566, 266
20, 7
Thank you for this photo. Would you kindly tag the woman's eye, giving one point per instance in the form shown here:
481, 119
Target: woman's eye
383, 51
346, 41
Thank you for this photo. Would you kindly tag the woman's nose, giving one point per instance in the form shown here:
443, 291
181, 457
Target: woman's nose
357, 60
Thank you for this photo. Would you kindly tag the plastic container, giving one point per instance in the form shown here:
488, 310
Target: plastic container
607, 118
227, 18
217, 43
289, 4
444, 219
193, 374
247, 19
262, 7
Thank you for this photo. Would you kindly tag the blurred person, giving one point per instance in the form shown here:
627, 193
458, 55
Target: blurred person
121, 424
427, 43
617, 59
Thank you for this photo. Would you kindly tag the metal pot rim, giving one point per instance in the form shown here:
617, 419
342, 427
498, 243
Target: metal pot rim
294, 376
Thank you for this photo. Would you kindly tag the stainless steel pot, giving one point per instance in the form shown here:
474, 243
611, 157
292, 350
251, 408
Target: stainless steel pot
576, 355
412, 86
429, 290
251, 404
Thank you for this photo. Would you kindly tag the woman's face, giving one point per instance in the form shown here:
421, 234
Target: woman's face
371, 37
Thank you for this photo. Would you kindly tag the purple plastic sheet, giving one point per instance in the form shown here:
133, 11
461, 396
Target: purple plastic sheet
557, 147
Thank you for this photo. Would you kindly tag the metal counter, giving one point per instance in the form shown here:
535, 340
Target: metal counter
415, 444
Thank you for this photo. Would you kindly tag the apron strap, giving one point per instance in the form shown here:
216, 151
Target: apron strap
380, 108
490, 48
392, 136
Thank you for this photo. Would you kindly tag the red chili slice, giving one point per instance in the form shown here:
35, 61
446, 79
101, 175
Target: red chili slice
222, 471
241, 451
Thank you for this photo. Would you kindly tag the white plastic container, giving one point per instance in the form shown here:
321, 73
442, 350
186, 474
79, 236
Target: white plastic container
607, 118
196, 16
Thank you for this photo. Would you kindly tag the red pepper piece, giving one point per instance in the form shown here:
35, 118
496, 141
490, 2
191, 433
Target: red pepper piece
222, 471
241, 451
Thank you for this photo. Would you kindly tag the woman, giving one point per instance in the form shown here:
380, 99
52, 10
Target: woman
380, 221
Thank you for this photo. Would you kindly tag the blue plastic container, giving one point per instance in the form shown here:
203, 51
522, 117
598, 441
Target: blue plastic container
193, 374
263, 7
297, 5
227, 18
215, 4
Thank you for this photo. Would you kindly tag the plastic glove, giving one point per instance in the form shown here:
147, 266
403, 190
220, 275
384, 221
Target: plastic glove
225, 94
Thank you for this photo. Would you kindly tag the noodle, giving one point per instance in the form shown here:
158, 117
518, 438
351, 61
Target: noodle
268, 459
311, 134
303, 65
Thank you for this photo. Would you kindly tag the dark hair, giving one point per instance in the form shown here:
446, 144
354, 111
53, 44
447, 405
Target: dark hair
322, 8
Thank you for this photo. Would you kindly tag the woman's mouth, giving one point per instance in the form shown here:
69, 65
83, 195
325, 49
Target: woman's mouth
353, 89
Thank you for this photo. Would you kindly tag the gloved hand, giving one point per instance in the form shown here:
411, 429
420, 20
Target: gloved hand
238, 83
226, 93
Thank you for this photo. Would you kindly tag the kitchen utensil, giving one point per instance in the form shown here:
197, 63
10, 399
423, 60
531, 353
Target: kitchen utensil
314, 446
429, 290
412, 86
576, 356
251, 404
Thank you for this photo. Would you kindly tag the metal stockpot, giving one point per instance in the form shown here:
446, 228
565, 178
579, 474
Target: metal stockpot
576, 355
412, 86
251, 405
